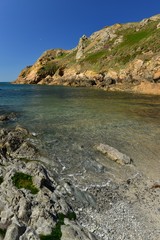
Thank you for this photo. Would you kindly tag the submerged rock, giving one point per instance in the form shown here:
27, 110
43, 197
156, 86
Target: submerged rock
7, 117
114, 154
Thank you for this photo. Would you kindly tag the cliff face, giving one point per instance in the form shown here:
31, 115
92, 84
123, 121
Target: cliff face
118, 57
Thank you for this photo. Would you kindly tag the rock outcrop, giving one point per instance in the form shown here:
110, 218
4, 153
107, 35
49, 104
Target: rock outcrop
33, 202
81, 46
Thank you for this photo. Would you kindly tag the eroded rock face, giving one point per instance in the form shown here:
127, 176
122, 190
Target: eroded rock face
32, 200
81, 47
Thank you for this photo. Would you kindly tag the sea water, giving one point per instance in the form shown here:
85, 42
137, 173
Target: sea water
71, 122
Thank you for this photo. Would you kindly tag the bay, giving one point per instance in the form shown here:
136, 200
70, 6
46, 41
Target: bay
70, 122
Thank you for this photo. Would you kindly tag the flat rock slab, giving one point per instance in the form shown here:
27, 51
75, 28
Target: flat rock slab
114, 154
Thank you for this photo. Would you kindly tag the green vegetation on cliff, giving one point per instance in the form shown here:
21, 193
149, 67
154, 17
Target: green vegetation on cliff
48, 69
136, 42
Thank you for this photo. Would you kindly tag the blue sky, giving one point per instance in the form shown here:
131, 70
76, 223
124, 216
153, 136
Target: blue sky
29, 27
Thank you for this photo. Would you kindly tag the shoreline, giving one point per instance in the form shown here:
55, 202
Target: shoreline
126, 208
144, 88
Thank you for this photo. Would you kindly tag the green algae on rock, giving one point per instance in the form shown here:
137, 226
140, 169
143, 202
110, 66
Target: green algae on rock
23, 180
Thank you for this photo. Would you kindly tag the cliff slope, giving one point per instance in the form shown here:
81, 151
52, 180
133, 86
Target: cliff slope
120, 57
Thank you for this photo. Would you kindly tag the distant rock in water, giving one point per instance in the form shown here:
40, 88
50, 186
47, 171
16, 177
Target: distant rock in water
7, 117
4, 118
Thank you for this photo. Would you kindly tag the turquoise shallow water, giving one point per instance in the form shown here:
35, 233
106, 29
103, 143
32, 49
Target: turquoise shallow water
71, 121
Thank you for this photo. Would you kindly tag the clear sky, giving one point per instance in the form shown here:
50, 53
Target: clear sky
29, 27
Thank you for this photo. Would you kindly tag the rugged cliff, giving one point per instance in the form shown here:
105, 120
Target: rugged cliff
122, 57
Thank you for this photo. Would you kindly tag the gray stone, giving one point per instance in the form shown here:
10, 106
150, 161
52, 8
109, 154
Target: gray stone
64, 206
73, 231
6, 215
12, 232
24, 210
28, 148
29, 234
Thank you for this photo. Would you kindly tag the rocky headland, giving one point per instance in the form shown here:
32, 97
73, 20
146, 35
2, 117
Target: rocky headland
123, 57
38, 203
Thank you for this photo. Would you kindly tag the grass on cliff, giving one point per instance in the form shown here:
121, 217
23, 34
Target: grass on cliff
48, 69
22, 180
56, 233
134, 37
68, 59
136, 42
94, 57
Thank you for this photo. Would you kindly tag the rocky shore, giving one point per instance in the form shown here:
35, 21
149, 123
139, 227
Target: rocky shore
32, 204
37, 203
